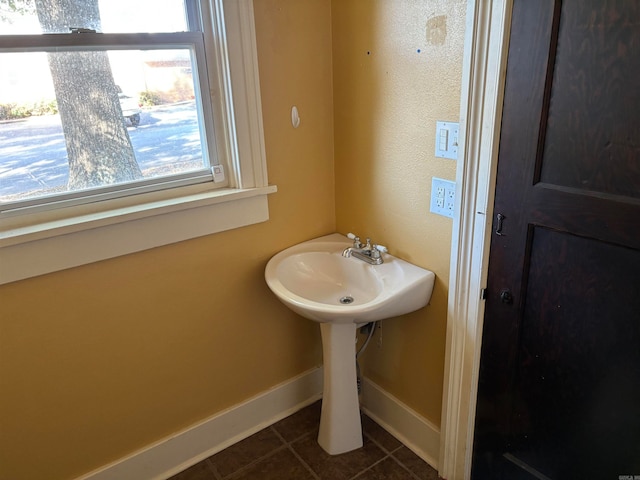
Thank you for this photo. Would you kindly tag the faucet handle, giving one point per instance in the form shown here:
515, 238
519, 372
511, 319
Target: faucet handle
356, 240
377, 251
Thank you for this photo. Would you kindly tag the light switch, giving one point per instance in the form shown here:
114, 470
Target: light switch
447, 140
444, 134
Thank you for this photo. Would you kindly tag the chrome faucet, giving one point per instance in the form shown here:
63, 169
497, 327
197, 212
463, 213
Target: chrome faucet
370, 253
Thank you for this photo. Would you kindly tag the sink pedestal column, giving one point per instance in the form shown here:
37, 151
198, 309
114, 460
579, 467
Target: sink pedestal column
340, 425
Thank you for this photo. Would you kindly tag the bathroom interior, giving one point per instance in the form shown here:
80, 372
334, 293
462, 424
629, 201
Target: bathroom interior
110, 358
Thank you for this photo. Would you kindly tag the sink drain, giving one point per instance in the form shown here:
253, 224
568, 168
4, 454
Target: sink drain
346, 300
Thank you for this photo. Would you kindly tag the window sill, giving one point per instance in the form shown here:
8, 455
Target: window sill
44, 247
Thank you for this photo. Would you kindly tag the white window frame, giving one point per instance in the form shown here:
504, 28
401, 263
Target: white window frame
45, 242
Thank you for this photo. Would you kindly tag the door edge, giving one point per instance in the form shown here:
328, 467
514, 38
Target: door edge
484, 67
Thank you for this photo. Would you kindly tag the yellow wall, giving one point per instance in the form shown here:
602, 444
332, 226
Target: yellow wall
387, 98
99, 361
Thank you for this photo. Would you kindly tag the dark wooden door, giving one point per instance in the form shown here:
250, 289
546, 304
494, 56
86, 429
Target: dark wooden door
559, 385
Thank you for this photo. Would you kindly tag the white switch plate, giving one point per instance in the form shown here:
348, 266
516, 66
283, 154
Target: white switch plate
447, 140
443, 197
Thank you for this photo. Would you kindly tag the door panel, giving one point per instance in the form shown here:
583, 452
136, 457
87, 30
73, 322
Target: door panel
577, 372
592, 132
559, 384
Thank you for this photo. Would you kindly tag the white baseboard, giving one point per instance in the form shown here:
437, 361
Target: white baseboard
184, 449
413, 430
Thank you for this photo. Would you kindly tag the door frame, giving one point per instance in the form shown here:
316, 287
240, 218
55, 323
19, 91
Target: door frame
483, 77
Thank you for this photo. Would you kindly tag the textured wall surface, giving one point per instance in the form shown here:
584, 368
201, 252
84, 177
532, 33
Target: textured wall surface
397, 70
99, 361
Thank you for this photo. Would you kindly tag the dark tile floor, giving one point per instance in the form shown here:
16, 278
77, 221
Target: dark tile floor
288, 450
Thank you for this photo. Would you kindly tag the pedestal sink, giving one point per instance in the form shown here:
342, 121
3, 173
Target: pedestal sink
316, 281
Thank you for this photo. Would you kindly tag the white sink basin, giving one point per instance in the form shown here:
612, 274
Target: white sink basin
317, 282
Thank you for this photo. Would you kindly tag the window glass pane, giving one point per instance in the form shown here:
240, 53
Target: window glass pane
100, 119
131, 16
20, 17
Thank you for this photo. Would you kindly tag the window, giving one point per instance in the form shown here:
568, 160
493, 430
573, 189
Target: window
103, 101
110, 126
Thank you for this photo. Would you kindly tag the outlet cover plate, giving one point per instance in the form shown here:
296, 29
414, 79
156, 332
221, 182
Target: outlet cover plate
443, 197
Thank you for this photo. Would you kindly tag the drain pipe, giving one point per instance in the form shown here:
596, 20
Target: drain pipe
371, 326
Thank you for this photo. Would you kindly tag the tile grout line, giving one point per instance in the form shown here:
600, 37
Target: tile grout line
399, 462
255, 460
294, 440
411, 472
213, 468
295, 454
304, 464
380, 446
251, 464
371, 434
364, 470
389, 454
370, 467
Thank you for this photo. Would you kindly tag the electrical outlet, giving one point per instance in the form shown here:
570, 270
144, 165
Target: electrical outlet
443, 197
450, 193
449, 206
